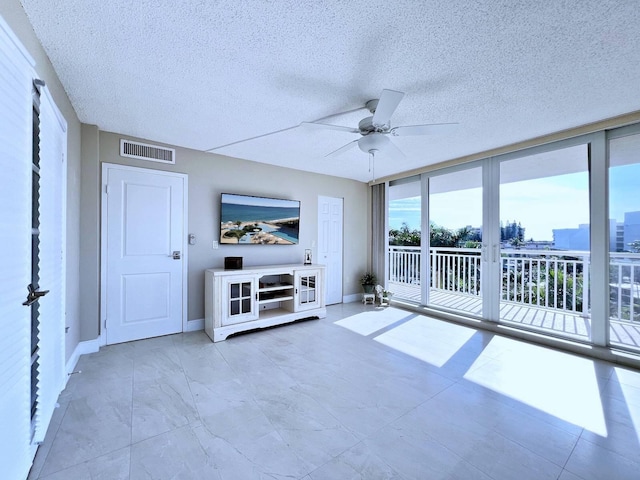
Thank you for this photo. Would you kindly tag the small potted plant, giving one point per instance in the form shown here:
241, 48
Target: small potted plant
368, 281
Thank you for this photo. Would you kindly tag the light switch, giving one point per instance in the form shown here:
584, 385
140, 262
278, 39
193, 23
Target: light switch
215, 244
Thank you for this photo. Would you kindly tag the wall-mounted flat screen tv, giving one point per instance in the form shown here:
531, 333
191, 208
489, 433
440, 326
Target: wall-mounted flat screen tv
249, 220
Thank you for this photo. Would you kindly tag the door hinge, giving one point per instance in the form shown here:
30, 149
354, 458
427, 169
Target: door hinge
106, 189
104, 323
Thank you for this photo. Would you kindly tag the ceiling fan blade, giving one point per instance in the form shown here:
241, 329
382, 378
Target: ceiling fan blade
342, 149
389, 100
328, 126
430, 129
392, 151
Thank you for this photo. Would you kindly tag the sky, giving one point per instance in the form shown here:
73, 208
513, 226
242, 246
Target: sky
258, 201
539, 205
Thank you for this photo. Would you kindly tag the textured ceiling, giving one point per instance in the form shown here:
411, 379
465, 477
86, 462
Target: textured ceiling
203, 74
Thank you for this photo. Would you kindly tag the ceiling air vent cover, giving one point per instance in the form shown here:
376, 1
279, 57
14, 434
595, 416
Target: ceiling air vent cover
144, 151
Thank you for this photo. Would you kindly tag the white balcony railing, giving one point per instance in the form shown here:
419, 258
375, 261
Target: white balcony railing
455, 270
404, 265
624, 286
548, 279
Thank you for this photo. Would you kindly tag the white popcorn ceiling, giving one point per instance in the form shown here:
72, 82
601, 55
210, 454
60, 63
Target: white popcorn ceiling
201, 74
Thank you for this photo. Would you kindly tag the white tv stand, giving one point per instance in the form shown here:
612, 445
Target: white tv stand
258, 297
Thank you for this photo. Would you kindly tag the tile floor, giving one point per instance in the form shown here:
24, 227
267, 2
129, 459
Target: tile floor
366, 393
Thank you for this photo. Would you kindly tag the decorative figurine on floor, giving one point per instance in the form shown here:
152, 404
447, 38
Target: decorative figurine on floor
383, 295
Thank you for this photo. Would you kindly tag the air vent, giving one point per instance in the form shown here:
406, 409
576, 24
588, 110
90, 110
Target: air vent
143, 151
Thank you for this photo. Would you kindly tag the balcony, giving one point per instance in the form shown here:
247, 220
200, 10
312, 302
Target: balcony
541, 289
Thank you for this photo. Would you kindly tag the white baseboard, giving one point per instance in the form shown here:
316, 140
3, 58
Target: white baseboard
354, 297
195, 325
83, 348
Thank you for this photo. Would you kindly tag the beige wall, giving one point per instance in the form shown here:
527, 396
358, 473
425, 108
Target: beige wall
90, 228
210, 175
12, 12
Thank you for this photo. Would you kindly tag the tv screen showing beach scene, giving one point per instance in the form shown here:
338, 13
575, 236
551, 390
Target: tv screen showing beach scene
249, 220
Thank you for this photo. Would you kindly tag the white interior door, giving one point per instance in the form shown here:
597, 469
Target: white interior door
330, 217
52, 271
143, 241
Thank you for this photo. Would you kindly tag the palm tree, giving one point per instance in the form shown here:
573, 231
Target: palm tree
441, 236
460, 236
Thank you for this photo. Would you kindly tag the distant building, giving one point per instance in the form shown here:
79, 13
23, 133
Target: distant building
619, 246
475, 232
578, 238
571, 238
631, 229
613, 235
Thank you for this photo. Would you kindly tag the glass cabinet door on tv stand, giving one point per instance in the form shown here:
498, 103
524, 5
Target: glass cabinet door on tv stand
308, 289
240, 305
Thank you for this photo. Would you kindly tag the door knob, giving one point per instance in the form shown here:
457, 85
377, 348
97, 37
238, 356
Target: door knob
176, 255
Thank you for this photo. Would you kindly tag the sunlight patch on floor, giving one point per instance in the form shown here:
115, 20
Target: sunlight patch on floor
366, 323
427, 339
629, 384
528, 373
627, 376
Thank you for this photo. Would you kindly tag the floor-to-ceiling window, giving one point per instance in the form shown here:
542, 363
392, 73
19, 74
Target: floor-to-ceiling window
405, 217
455, 240
544, 242
624, 256
522, 239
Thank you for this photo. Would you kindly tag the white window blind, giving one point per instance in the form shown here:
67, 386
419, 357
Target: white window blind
16, 74
51, 377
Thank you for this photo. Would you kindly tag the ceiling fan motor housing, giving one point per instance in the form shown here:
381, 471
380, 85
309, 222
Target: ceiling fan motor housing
366, 126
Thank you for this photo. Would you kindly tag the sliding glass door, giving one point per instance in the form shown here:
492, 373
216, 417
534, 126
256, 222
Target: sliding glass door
624, 256
514, 239
455, 240
405, 220
544, 242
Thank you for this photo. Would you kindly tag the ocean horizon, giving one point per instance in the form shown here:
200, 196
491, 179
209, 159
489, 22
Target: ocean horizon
231, 212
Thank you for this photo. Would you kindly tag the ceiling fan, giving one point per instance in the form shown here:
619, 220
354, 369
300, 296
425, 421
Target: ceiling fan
375, 131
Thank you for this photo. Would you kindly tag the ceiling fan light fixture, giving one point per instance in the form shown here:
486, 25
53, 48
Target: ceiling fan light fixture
373, 141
